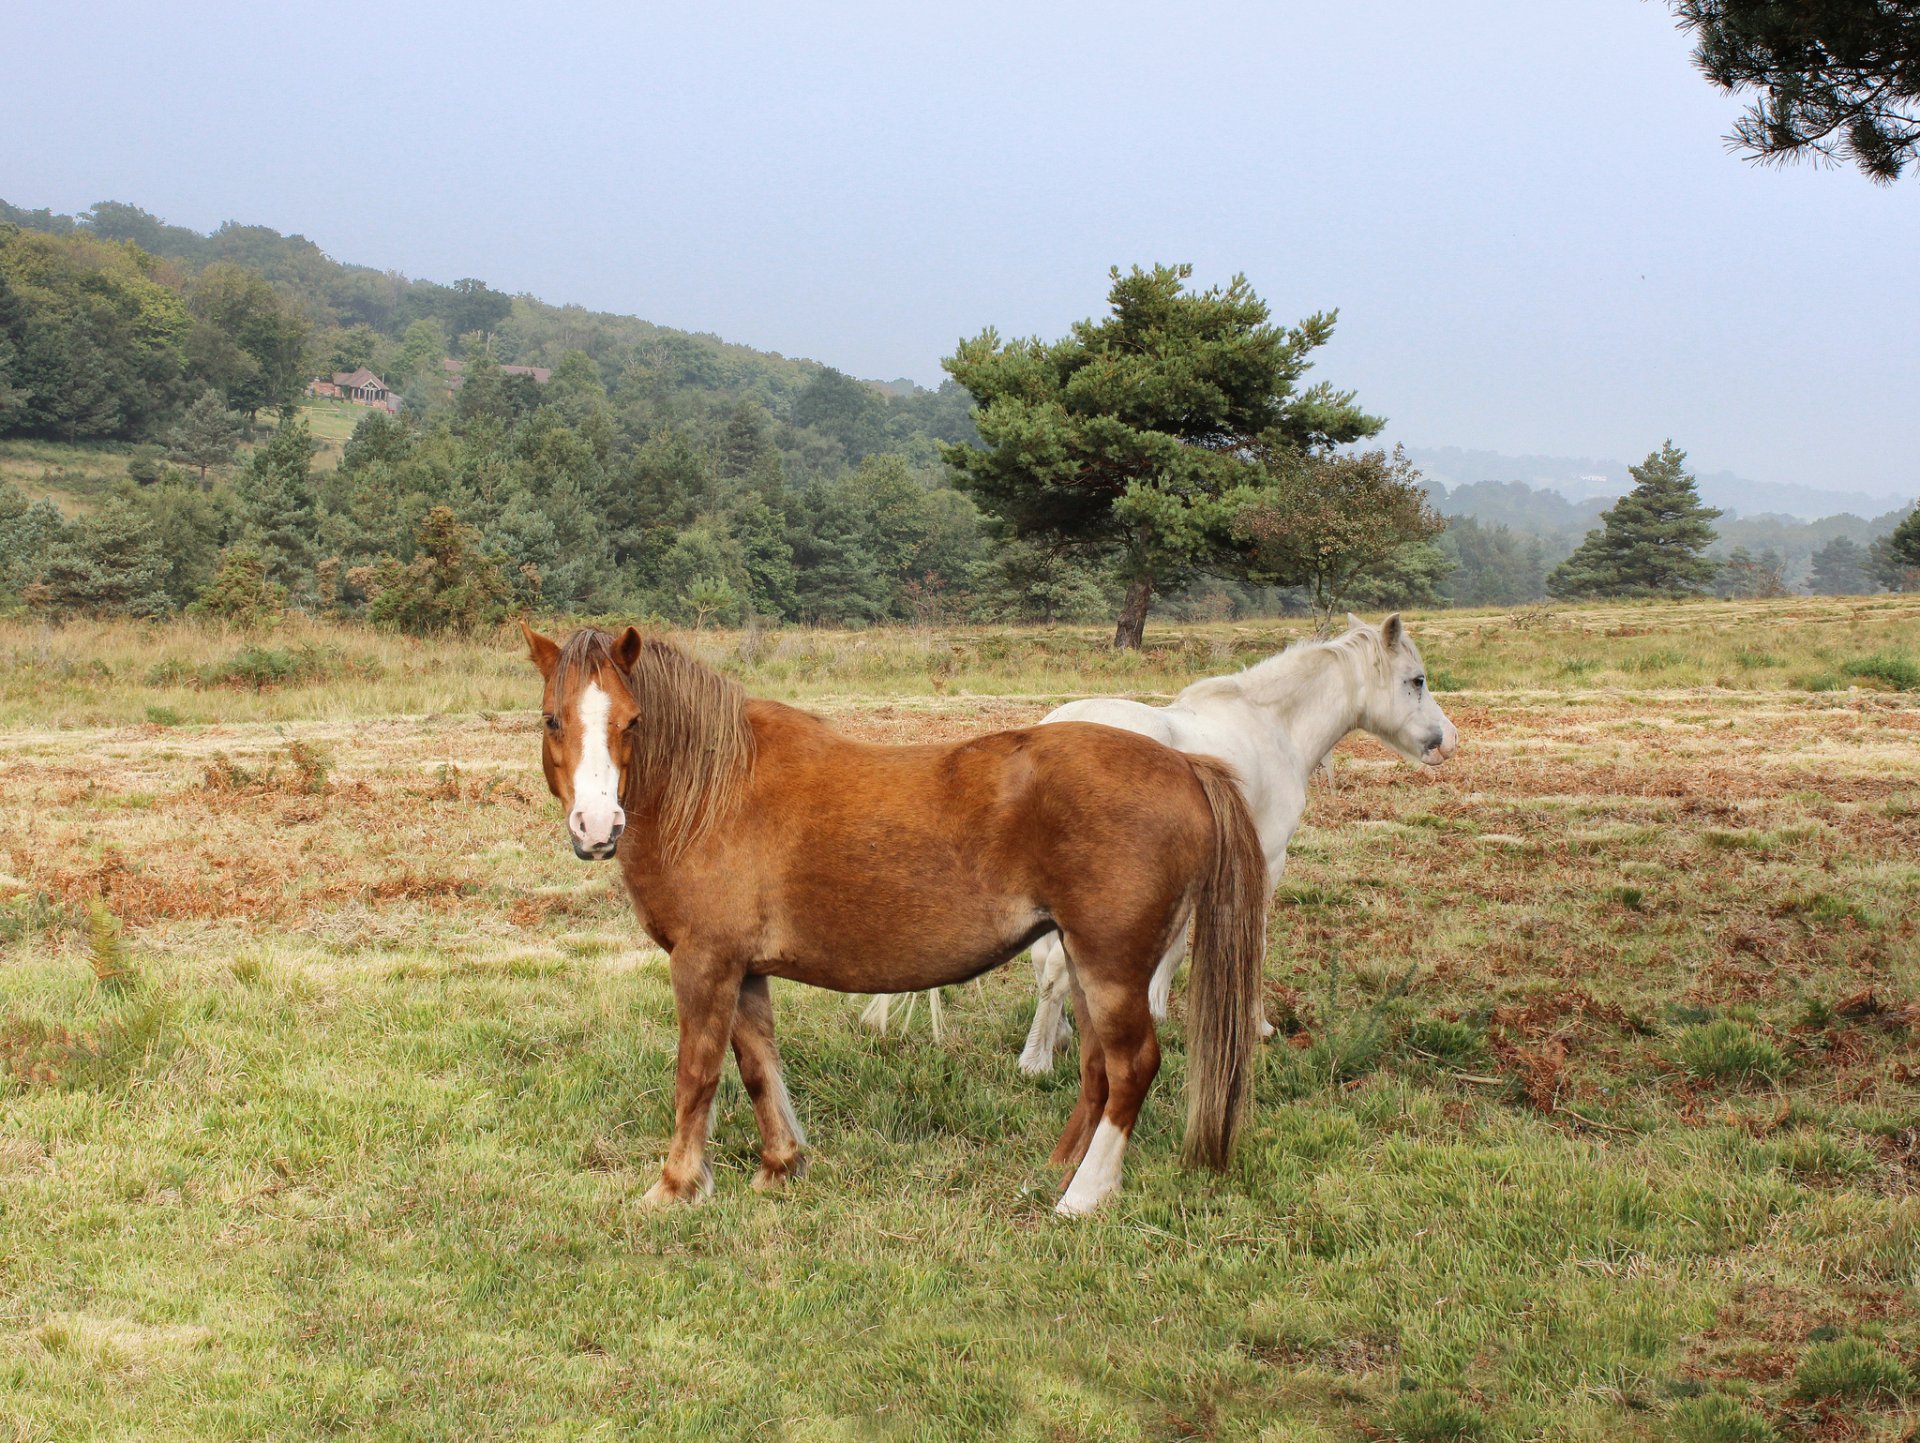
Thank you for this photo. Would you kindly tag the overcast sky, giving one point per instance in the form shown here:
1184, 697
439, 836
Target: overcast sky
1524, 211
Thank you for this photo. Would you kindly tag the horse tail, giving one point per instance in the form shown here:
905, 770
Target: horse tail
1229, 953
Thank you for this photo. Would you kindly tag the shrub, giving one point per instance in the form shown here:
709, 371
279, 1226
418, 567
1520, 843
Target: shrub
241, 593
1890, 667
450, 585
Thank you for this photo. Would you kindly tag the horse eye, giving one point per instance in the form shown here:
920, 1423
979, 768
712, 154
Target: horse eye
552, 721
1418, 682
632, 722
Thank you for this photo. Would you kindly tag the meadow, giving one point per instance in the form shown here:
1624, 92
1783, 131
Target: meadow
332, 1080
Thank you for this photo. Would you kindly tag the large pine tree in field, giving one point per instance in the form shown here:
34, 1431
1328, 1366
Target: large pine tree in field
1651, 542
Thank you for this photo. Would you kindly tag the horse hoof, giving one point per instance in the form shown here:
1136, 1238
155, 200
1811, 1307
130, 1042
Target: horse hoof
773, 1179
1067, 1208
1266, 1029
1036, 1064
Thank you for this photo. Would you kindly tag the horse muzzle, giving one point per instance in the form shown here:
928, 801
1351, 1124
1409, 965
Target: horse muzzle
595, 833
1440, 747
599, 851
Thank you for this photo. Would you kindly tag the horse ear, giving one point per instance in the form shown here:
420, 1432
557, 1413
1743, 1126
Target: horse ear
545, 654
1354, 623
1393, 632
626, 651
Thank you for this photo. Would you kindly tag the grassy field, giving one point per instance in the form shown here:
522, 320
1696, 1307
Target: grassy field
332, 1080
76, 477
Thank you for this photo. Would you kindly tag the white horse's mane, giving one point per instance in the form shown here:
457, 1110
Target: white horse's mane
1286, 666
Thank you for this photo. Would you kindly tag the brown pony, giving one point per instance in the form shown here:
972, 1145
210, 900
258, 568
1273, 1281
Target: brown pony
756, 842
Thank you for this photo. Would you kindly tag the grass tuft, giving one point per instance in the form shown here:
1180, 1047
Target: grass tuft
1432, 1415
1850, 1368
1716, 1418
1730, 1051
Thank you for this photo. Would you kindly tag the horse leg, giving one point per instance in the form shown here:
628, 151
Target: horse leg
706, 994
1050, 1030
1160, 989
781, 1141
1116, 1014
1093, 1093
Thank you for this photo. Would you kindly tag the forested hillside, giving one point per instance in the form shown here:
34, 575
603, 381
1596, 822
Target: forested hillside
655, 468
158, 454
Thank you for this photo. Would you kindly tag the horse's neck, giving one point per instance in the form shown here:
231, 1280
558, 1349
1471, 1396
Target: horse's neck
1312, 694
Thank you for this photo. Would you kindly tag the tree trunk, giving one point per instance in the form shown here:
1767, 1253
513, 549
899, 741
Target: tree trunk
1133, 615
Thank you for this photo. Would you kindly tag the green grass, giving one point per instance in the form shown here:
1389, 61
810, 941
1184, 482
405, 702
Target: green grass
330, 1082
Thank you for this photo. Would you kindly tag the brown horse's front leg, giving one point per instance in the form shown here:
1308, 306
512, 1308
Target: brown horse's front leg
706, 992
781, 1140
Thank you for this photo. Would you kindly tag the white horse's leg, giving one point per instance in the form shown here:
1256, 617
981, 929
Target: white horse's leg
1160, 989
1051, 1029
878, 1012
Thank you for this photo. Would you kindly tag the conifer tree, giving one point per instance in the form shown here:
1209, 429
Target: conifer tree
1651, 542
278, 508
207, 434
1139, 438
1840, 568
1904, 544
111, 565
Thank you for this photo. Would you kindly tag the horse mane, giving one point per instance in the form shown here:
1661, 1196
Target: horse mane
692, 754
1283, 667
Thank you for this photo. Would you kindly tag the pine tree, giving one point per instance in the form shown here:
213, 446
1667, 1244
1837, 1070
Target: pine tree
744, 445
1904, 544
1840, 569
1651, 542
111, 565
1139, 437
278, 508
208, 434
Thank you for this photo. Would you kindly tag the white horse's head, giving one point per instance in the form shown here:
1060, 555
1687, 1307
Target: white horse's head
1395, 704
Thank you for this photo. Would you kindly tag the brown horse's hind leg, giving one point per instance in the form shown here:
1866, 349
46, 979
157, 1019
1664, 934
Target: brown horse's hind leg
1113, 1012
781, 1141
706, 993
1093, 1090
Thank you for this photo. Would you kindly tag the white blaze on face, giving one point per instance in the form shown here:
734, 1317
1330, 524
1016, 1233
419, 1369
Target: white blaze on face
596, 814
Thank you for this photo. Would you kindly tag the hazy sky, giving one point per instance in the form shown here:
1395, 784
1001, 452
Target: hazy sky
1523, 210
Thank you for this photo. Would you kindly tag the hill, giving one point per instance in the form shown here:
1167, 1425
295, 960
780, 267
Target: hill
1582, 478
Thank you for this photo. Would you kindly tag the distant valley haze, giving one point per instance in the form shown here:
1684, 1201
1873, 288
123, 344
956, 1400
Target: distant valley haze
1525, 214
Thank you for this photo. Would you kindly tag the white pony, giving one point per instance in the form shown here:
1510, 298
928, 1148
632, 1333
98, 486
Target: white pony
1276, 722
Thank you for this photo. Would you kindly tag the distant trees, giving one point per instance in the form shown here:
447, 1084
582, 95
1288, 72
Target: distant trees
1330, 521
1651, 542
1894, 560
1840, 569
1746, 576
1140, 436
1492, 565
1836, 78
92, 342
246, 340
1904, 544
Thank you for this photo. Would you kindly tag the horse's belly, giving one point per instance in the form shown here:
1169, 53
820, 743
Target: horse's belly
909, 949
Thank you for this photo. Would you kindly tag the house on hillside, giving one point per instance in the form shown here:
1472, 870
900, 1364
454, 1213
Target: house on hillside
455, 370
360, 386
